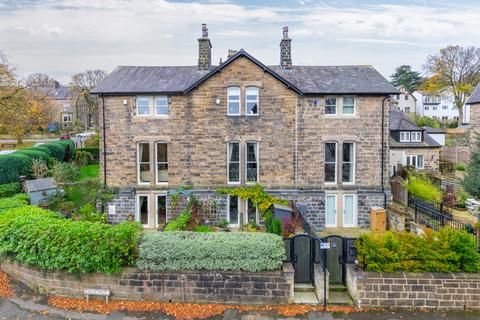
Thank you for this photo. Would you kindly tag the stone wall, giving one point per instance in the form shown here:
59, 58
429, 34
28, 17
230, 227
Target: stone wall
399, 193
431, 157
229, 287
453, 291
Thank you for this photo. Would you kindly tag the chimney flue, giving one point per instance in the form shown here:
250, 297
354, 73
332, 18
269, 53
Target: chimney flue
204, 50
231, 53
286, 50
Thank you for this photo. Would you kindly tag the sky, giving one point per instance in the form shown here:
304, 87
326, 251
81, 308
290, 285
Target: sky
62, 38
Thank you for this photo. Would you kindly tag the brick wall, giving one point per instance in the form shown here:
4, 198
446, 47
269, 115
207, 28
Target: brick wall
399, 193
453, 291
229, 287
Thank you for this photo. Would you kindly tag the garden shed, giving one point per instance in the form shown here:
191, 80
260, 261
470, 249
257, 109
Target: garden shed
40, 189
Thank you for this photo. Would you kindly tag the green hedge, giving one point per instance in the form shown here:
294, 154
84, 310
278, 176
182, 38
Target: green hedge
12, 166
57, 150
446, 250
34, 154
95, 152
44, 149
41, 238
19, 200
9, 189
185, 250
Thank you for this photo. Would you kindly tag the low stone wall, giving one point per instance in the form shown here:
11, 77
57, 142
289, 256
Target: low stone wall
229, 287
452, 291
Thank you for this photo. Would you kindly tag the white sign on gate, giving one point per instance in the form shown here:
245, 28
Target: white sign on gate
325, 245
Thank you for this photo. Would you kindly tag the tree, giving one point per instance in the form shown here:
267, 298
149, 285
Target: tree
405, 76
471, 182
81, 85
41, 80
456, 69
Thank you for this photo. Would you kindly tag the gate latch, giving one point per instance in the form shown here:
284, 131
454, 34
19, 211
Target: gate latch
340, 259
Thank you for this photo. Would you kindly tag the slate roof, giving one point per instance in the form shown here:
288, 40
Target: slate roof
60, 93
399, 121
475, 96
303, 79
40, 184
434, 130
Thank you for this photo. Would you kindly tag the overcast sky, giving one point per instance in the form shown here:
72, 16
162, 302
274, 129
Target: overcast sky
61, 38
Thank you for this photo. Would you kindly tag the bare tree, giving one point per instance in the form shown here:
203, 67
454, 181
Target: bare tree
41, 80
456, 69
81, 85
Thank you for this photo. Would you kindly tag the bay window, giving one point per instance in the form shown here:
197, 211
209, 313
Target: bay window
233, 101
162, 162
330, 162
348, 162
251, 101
143, 106
233, 162
251, 162
143, 163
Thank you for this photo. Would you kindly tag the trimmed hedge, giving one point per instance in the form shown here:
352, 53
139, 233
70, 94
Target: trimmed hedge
12, 166
9, 189
95, 152
186, 250
41, 238
19, 200
446, 250
57, 150
44, 149
34, 154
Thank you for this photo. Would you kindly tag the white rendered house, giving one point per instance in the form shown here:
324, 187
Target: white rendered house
439, 106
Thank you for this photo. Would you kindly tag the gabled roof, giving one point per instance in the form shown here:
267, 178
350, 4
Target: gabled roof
40, 184
302, 79
58, 93
399, 121
475, 96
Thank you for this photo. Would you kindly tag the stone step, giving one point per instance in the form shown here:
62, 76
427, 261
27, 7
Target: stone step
303, 287
305, 298
336, 298
337, 288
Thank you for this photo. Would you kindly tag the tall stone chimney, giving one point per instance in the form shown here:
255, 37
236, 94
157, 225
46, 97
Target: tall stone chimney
286, 50
204, 50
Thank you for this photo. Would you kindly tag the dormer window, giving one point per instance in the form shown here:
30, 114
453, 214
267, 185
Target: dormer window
416, 137
405, 136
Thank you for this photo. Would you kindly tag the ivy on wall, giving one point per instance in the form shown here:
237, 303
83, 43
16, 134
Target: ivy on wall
256, 194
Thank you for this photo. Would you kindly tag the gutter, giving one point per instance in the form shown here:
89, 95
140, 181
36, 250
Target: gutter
382, 174
104, 143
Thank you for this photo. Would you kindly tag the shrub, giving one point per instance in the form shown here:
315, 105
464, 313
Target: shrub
460, 167
447, 250
82, 158
44, 149
12, 166
18, 200
41, 238
95, 152
33, 154
9, 189
93, 141
276, 227
64, 172
57, 150
39, 168
69, 147
471, 183
203, 229
89, 213
180, 223
211, 251
421, 187
223, 223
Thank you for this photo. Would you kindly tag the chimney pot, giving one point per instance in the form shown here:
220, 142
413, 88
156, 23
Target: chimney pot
231, 53
204, 50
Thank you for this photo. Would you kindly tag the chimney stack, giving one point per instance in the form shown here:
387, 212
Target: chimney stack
286, 50
204, 50
231, 53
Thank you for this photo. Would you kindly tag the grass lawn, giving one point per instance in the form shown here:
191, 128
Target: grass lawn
89, 172
26, 144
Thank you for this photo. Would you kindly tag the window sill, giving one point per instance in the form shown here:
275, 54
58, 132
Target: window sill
233, 183
161, 183
342, 116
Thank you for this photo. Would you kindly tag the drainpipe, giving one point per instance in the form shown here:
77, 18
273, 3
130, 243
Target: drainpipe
104, 143
382, 174
296, 142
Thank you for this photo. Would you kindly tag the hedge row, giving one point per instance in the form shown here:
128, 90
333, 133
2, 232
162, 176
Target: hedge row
446, 250
9, 189
95, 152
41, 238
18, 163
211, 251
19, 200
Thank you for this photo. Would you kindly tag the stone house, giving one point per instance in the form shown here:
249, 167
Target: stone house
411, 145
474, 103
314, 134
64, 103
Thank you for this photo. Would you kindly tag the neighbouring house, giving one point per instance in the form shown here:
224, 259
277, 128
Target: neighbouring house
411, 145
65, 106
406, 101
439, 106
474, 104
312, 134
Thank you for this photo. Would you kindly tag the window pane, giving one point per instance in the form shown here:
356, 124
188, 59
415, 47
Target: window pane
161, 106
233, 162
144, 162
143, 209
348, 166
330, 105
232, 91
234, 172
348, 110
330, 210
251, 151
234, 151
252, 108
161, 210
234, 107
347, 172
252, 162
348, 101
349, 211
251, 212
348, 152
330, 172
420, 162
251, 172
162, 152
330, 150
143, 106
233, 210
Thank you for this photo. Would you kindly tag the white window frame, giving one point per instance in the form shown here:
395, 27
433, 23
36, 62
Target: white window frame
416, 157
139, 180
353, 162
247, 162
354, 106
336, 106
404, 136
239, 163
137, 209
336, 210
257, 101
239, 218
416, 134
239, 101
157, 195
355, 211
157, 162
257, 216
325, 162
155, 106
136, 106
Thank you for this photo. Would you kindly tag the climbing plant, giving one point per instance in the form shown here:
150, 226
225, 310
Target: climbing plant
256, 194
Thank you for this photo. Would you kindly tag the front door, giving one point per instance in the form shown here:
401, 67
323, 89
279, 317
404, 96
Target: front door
331, 211
302, 258
349, 211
